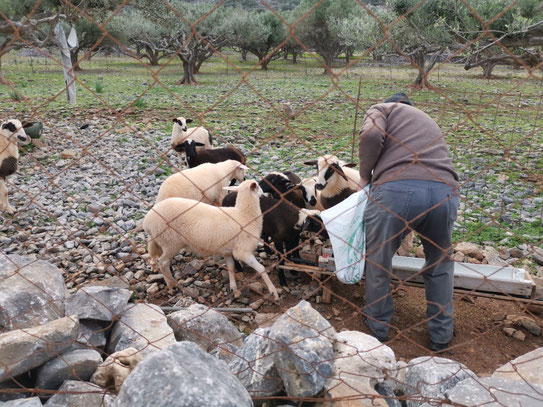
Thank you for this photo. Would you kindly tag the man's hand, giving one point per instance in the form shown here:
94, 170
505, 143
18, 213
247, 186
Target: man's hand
363, 182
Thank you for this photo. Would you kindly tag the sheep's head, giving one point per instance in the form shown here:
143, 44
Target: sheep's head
13, 131
181, 122
309, 190
310, 221
276, 184
327, 167
238, 170
249, 186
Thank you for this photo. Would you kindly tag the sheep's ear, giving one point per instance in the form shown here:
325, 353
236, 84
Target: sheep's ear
175, 120
188, 120
254, 186
243, 166
232, 188
339, 171
350, 165
10, 126
311, 162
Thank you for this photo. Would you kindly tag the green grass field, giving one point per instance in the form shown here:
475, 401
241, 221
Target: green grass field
493, 127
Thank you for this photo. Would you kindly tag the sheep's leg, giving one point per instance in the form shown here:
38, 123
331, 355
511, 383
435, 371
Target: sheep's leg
164, 262
232, 275
250, 260
280, 272
4, 204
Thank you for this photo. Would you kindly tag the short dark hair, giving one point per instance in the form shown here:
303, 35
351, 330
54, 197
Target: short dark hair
399, 97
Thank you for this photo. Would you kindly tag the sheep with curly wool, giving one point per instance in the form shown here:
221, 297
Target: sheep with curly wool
234, 233
203, 183
11, 133
180, 133
196, 157
335, 180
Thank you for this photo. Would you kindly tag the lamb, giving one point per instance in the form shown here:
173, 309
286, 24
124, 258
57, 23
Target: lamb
336, 180
180, 133
212, 155
180, 223
204, 183
12, 132
282, 224
308, 186
279, 186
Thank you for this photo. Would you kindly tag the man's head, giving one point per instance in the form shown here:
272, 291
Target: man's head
399, 97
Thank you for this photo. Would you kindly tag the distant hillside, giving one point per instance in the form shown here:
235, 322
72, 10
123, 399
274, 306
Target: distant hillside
255, 4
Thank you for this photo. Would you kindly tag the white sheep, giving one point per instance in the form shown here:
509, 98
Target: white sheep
180, 223
12, 132
203, 183
310, 193
180, 133
335, 180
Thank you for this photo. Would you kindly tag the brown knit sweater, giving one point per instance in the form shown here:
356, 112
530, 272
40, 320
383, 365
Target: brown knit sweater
401, 142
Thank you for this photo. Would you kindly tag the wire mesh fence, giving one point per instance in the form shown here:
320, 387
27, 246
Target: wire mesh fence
120, 238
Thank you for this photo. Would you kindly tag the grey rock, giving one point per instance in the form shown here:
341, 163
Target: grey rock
100, 303
526, 368
92, 334
304, 351
386, 388
32, 292
28, 402
142, 326
204, 326
430, 377
21, 350
253, 365
14, 389
224, 351
182, 375
80, 394
494, 392
77, 364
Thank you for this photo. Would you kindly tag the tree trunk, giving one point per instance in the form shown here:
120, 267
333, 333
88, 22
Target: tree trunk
285, 56
3, 80
328, 59
153, 56
188, 78
418, 59
294, 57
487, 69
348, 55
74, 56
198, 65
244, 55
264, 63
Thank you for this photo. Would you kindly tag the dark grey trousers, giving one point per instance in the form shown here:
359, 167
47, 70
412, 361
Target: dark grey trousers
394, 209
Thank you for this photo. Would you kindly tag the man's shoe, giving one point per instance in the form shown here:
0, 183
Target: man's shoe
438, 347
375, 335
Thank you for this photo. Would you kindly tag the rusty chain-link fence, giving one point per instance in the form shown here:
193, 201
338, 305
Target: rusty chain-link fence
78, 283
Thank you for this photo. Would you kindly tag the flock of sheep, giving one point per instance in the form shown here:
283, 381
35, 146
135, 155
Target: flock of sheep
199, 208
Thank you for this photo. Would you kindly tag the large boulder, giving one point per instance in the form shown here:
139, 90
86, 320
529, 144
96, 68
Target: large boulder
304, 351
494, 392
80, 394
28, 402
142, 326
32, 292
204, 326
98, 303
359, 361
22, 350
92, 334
430, 377
253, 365
528, 367
182, 375
116, 368
72, 365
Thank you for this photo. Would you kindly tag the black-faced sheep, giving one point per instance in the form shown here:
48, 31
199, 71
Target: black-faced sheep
203, 183
196, 157
12, 132
279, 186
179, 223
282, 224
335, 180
180, 133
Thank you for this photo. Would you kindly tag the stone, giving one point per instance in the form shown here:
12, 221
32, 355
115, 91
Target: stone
21, 350
204, 326
116, 368
224, 351
253, 365
530, 325
304, 350
74, 393
528, 368
509, 331
32, 292
430, 377
494, 392
67, 154
99, 303
182, 375
343, 395
92, 334
28, 402
469, 249
77, 364
142, 326
17, 388
519, 336
386, 388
